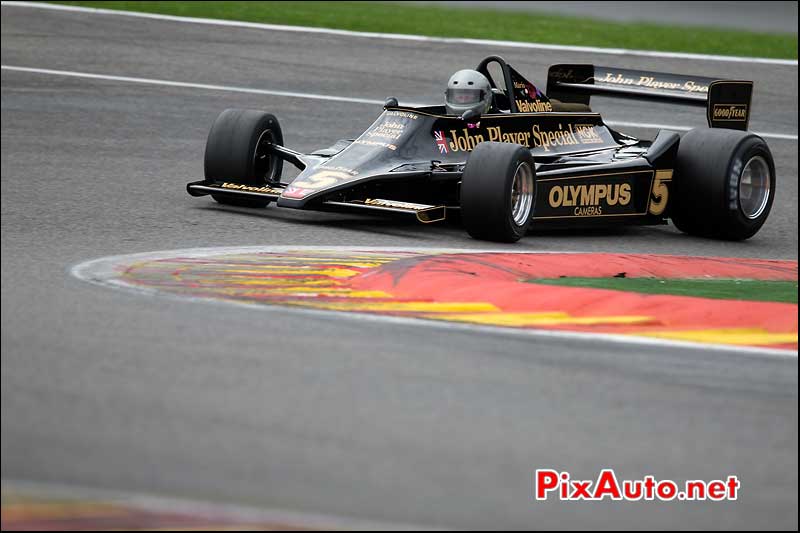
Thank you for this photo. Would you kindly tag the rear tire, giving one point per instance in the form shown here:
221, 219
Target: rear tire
498, 192
235, 152
724, 184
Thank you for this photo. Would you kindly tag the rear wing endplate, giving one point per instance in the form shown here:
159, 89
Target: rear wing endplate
727, 102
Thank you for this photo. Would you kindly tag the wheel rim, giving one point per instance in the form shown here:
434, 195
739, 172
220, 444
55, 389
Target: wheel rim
754, 187
522, 194
262, 159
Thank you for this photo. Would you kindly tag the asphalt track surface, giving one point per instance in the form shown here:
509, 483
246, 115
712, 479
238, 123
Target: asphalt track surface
315, 413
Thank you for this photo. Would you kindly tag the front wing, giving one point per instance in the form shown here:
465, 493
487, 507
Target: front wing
422, 212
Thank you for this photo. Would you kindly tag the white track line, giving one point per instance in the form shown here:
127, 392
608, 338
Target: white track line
770, 135
105, 272
405, 37
169, 83
310, 96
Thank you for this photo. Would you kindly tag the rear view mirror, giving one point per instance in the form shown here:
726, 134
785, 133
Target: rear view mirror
471, 116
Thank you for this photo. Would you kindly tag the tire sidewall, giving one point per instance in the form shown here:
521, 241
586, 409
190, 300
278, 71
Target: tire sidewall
708, 171
487, 181
267, 125
523, 157
231, 145
738, 225
231, 149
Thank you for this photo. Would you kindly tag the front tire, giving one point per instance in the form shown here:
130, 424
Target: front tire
724, 184
498, 192
236, 151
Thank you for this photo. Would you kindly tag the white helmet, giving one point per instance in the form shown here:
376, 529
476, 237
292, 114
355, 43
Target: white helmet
468, 89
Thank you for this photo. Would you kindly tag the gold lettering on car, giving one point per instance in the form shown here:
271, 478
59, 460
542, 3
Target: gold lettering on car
536, 106
545, 139
588, 134
390, 131
652, 82
562, 74
401, 114
521, 137
388, 146
660, 193
730, 112
589, 200
241, 187
395, 204
464, 140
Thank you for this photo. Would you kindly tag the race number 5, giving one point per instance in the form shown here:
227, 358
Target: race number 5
660, 193
321, 180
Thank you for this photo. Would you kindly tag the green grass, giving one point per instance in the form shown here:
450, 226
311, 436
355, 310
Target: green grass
725, 289
481, 24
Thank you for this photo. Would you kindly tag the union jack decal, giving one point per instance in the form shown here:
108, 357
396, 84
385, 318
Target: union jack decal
441, 141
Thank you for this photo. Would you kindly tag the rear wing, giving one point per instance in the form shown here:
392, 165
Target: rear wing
727, 102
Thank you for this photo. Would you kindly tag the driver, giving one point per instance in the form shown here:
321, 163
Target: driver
468, 89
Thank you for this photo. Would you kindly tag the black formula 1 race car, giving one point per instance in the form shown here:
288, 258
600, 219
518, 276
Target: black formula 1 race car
532, 159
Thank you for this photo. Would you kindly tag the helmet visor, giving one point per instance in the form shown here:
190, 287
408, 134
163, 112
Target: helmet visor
462, 97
